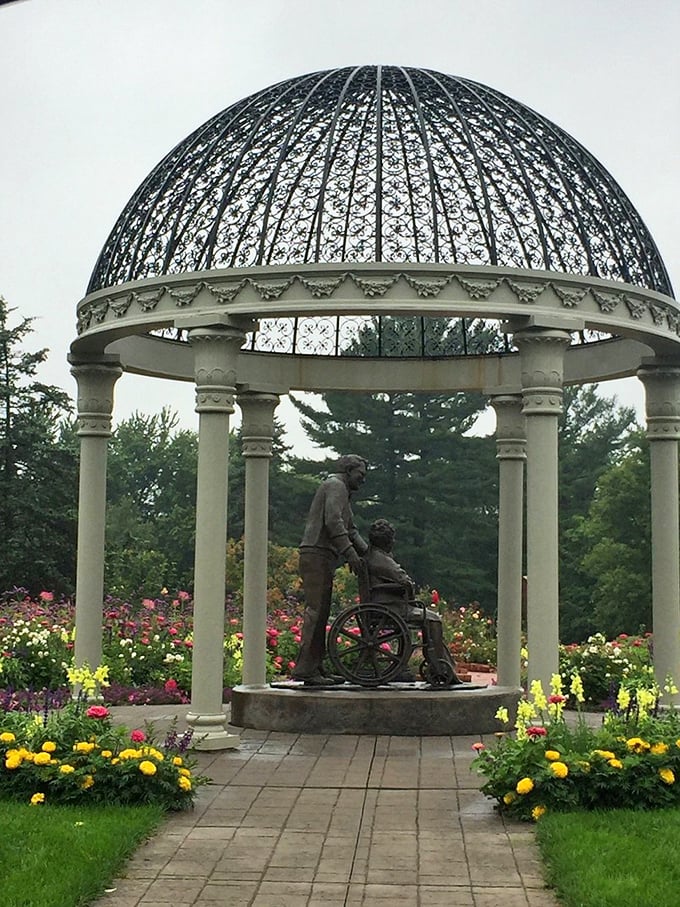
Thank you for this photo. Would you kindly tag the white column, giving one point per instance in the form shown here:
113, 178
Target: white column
542, 359
96, 380
257, 432
215, 356
511, 455
662, 392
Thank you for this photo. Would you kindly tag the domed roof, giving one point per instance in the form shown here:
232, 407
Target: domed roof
380, 164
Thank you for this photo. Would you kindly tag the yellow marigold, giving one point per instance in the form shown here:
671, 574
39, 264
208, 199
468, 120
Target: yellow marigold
147, 767
667, 775
7, 737
106, 754
83, 746
36, 799
12, 762
49, 746
152, 752
26, 755
537, 812
66, 769
552, 755
42, 758
509, 798
524, 786
129, 753
637, 745
615, 763
604, 754
659, 749
184, 783
559, 769
184, 771
115, 761
88, 781
177, 760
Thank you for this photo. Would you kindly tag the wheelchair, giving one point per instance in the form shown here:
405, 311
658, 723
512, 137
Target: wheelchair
371, 644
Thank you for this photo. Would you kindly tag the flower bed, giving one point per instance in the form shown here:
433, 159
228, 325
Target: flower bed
546, 763
74, 754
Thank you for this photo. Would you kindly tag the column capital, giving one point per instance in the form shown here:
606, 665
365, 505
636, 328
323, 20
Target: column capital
216, 350
542, 365
257, 426
96, 378
662, 400
510, 426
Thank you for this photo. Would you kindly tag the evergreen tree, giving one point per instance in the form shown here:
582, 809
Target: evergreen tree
436, 486
615, 538
594, 434
38, 469
151, 512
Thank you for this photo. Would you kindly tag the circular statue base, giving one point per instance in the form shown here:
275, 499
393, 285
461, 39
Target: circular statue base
402, 710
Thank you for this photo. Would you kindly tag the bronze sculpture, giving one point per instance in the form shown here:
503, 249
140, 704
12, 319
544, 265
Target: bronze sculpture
389, 584
329, 538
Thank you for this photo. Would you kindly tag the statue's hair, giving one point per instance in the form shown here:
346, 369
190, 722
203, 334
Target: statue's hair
349, 462
381, 529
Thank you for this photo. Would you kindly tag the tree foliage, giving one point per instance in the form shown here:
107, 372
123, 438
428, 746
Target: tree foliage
437, 487
38, 468
594, 435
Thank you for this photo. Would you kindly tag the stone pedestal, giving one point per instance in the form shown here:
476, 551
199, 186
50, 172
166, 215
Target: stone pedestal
401, 710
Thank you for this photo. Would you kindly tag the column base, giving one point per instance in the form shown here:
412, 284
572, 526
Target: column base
211, 732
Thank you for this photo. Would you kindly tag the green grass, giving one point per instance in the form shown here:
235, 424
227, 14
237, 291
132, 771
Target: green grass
65, 856
612, 859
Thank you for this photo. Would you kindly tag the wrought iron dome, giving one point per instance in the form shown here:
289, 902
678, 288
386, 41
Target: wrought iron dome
380, 164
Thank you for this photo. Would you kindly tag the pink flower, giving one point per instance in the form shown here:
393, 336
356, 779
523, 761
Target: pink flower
234, 621
172, 631
137, 736
478, 747
291, 665
297, 638
46, 596
149, 604
170, 686
183, 596
97, 711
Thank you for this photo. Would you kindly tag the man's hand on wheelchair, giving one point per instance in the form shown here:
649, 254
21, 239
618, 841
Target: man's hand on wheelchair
353, 560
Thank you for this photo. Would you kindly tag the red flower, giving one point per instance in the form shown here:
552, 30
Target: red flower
555, 698
137, 736
97, 711
170, 686
533, 731
435, 597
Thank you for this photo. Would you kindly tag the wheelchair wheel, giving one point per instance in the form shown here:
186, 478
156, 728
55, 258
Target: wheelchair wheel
437, 674
369, 644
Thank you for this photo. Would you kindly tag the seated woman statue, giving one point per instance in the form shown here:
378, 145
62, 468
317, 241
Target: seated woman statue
389, 584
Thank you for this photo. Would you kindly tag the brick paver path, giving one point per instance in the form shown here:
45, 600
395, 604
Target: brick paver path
337, 821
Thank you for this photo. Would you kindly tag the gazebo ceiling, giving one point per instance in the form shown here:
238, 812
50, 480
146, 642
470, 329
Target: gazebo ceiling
379, 213
380, 164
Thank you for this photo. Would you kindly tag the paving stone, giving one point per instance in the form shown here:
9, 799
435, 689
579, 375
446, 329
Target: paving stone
338, 821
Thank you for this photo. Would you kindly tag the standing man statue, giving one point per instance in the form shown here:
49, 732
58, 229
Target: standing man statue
330, 538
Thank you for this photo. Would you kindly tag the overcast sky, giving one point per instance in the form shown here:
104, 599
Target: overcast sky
95, 92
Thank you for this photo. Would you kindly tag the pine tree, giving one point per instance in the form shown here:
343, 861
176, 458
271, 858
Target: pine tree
38, 469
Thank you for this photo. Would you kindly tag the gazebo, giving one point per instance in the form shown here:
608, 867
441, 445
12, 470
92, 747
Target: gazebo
343, 230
